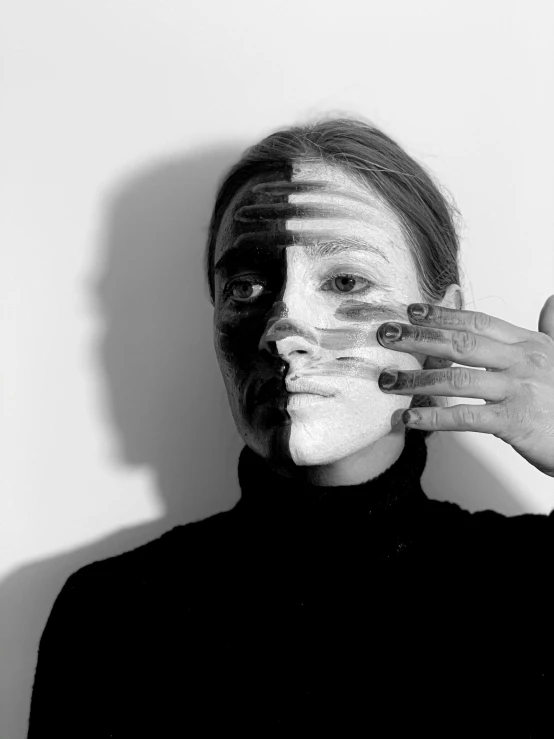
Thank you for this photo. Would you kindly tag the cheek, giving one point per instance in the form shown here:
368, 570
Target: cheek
237, 335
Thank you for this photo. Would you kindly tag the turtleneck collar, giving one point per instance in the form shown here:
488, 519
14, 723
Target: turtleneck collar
395, 491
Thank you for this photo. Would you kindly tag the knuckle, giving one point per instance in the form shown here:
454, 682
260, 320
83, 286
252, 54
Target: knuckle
460, 378
529, 400
501, 415
537, 359
543, 339
518, 416
481, 321
464, 343
514, 416
434, 419
465, 415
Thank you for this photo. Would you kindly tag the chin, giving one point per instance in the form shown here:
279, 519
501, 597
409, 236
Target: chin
313, 443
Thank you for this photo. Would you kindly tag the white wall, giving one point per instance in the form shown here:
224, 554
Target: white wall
118, 117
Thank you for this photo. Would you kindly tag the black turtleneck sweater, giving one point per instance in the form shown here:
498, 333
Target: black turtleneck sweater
366, 610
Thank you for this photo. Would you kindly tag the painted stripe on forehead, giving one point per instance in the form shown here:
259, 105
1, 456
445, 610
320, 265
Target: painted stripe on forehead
263, 212
282, 239
265, 217
284, 187
303, 186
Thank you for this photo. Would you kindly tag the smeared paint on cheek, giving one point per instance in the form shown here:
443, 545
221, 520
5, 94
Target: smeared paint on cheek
331, 340
371, 314
360, 311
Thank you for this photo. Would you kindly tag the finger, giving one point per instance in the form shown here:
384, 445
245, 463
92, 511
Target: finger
436, 363
478, 323
462, 347
483, 419
456, 382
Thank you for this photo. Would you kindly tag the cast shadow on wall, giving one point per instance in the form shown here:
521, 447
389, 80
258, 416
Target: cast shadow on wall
163, 401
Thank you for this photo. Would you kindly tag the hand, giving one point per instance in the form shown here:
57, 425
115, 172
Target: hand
518, 385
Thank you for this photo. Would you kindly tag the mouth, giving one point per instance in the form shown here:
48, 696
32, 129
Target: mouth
293, 391
298, 385
300, 400
303, 391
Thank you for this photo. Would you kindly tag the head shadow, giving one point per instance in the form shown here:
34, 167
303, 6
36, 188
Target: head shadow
165, 400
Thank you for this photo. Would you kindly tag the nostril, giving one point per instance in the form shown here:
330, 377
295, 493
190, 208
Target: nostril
272, 348
289, 338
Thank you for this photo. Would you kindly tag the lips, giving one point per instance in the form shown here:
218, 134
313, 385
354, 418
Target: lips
277, 389
308, 386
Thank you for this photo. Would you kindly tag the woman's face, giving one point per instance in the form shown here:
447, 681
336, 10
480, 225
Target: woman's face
308, 264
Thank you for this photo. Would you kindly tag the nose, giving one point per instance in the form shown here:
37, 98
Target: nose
289, 339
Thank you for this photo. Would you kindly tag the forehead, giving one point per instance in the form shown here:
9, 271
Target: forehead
304, 203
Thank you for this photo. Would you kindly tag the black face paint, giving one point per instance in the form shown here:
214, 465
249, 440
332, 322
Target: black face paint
255, 379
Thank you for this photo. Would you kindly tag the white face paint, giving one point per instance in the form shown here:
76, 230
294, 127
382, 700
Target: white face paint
356, 413
318, 312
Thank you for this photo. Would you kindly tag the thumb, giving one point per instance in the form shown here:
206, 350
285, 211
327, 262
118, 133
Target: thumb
546, 318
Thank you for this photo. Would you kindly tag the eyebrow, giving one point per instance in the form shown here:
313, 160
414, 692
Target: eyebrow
317, 245
341, 244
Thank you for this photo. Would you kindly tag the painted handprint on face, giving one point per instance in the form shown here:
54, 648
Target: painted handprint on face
308, 263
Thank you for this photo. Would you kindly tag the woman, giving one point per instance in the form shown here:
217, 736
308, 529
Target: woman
335, 596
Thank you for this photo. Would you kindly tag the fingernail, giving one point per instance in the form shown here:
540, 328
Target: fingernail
411, 417
387, 379
418, 310
392, 331
396, 417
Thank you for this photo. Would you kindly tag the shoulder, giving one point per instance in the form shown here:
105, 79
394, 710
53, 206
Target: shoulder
525, 535
176, 554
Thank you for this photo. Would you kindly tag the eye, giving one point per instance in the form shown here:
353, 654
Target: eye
345, 283
245, 290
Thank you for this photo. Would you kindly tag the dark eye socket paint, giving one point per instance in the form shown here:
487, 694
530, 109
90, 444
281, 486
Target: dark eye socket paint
239, 260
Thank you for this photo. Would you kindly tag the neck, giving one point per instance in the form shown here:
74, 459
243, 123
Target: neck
286, 498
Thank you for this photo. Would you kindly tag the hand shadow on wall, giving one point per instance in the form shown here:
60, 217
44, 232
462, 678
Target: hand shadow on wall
164, 399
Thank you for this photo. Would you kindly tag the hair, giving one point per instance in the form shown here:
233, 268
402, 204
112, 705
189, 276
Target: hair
426, 215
